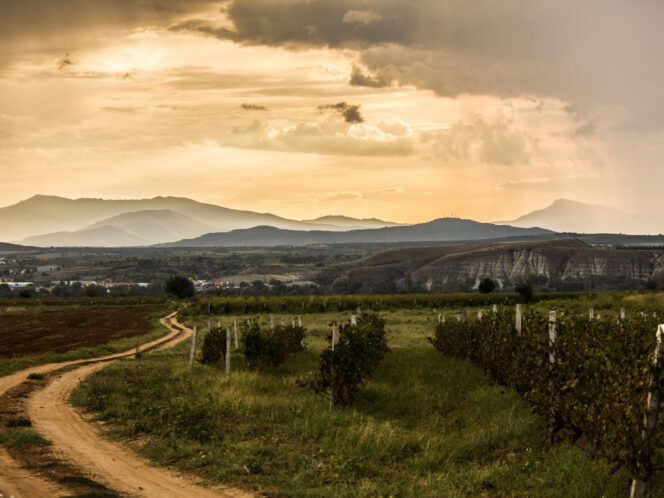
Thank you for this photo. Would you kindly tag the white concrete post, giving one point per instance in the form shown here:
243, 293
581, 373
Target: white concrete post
353, 320
192, 350
228, 352
517, 321
333, 386
591, 314
237, 344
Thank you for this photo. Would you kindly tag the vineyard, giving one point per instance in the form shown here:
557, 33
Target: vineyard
360, 404
589, 375
323, 304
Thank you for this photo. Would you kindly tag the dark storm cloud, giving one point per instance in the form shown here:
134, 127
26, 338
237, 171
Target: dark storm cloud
66, 61
314, 23
350, 113
594, 52
253, 107
45, 19
358, 78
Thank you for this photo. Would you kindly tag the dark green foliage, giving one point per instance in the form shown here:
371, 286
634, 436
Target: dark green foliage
180, 287
525, 290
270, 348
359, 351
214, 346
487, 286
378, 302
597, 386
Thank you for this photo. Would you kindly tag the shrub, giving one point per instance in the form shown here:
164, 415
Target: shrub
180, 287
360, 349
270, 348
487, 286
214, 346
525, 290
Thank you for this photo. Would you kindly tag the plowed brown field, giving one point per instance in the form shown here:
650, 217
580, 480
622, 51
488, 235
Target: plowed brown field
62, 331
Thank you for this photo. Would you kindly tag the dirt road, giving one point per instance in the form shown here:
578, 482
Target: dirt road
80, 443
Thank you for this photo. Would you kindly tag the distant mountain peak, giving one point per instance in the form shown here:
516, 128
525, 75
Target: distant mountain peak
566, 215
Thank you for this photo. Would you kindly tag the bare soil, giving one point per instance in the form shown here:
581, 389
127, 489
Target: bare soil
37, 332
80, 462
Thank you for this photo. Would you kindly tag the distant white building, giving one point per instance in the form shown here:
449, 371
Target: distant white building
19, 285
110, 285
44, 268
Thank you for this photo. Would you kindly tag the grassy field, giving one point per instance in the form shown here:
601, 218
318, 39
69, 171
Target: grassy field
425, 425
29, 338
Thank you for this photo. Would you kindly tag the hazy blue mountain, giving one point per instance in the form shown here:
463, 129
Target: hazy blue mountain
572, 216
105, 236
351, 223
444, 229
44, 215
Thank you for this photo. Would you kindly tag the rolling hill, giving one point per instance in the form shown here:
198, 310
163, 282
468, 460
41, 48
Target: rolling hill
351, 223
441, 230
444, 267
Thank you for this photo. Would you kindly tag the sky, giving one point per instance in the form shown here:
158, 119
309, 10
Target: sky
406, 111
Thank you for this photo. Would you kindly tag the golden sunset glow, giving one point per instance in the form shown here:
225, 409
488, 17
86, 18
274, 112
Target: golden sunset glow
192, 99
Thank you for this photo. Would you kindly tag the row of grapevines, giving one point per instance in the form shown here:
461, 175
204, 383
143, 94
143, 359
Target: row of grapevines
595, 387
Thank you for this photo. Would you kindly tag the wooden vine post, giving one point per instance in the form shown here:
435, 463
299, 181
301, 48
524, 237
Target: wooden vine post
228, 352
333, 384
192, 350
642, 483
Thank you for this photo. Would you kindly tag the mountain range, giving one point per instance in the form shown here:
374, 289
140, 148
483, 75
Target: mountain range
46, 221
441, 230
57, 221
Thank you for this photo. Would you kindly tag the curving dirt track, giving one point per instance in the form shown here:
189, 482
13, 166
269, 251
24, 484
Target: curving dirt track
80, 443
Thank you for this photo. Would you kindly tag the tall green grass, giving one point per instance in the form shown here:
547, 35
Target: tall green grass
424, 425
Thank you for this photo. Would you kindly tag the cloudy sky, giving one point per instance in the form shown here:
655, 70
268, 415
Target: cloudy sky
404, 110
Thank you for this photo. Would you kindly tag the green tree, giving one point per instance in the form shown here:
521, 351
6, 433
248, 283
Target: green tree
526, 291
214, 346
487, 286
179, 286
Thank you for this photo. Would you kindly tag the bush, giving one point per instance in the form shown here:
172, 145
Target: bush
360, 349
487, 286
214, 346
179, 286
270, 348
525, 290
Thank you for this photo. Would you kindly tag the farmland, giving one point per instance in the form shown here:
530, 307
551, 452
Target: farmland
31, 336
425, 424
